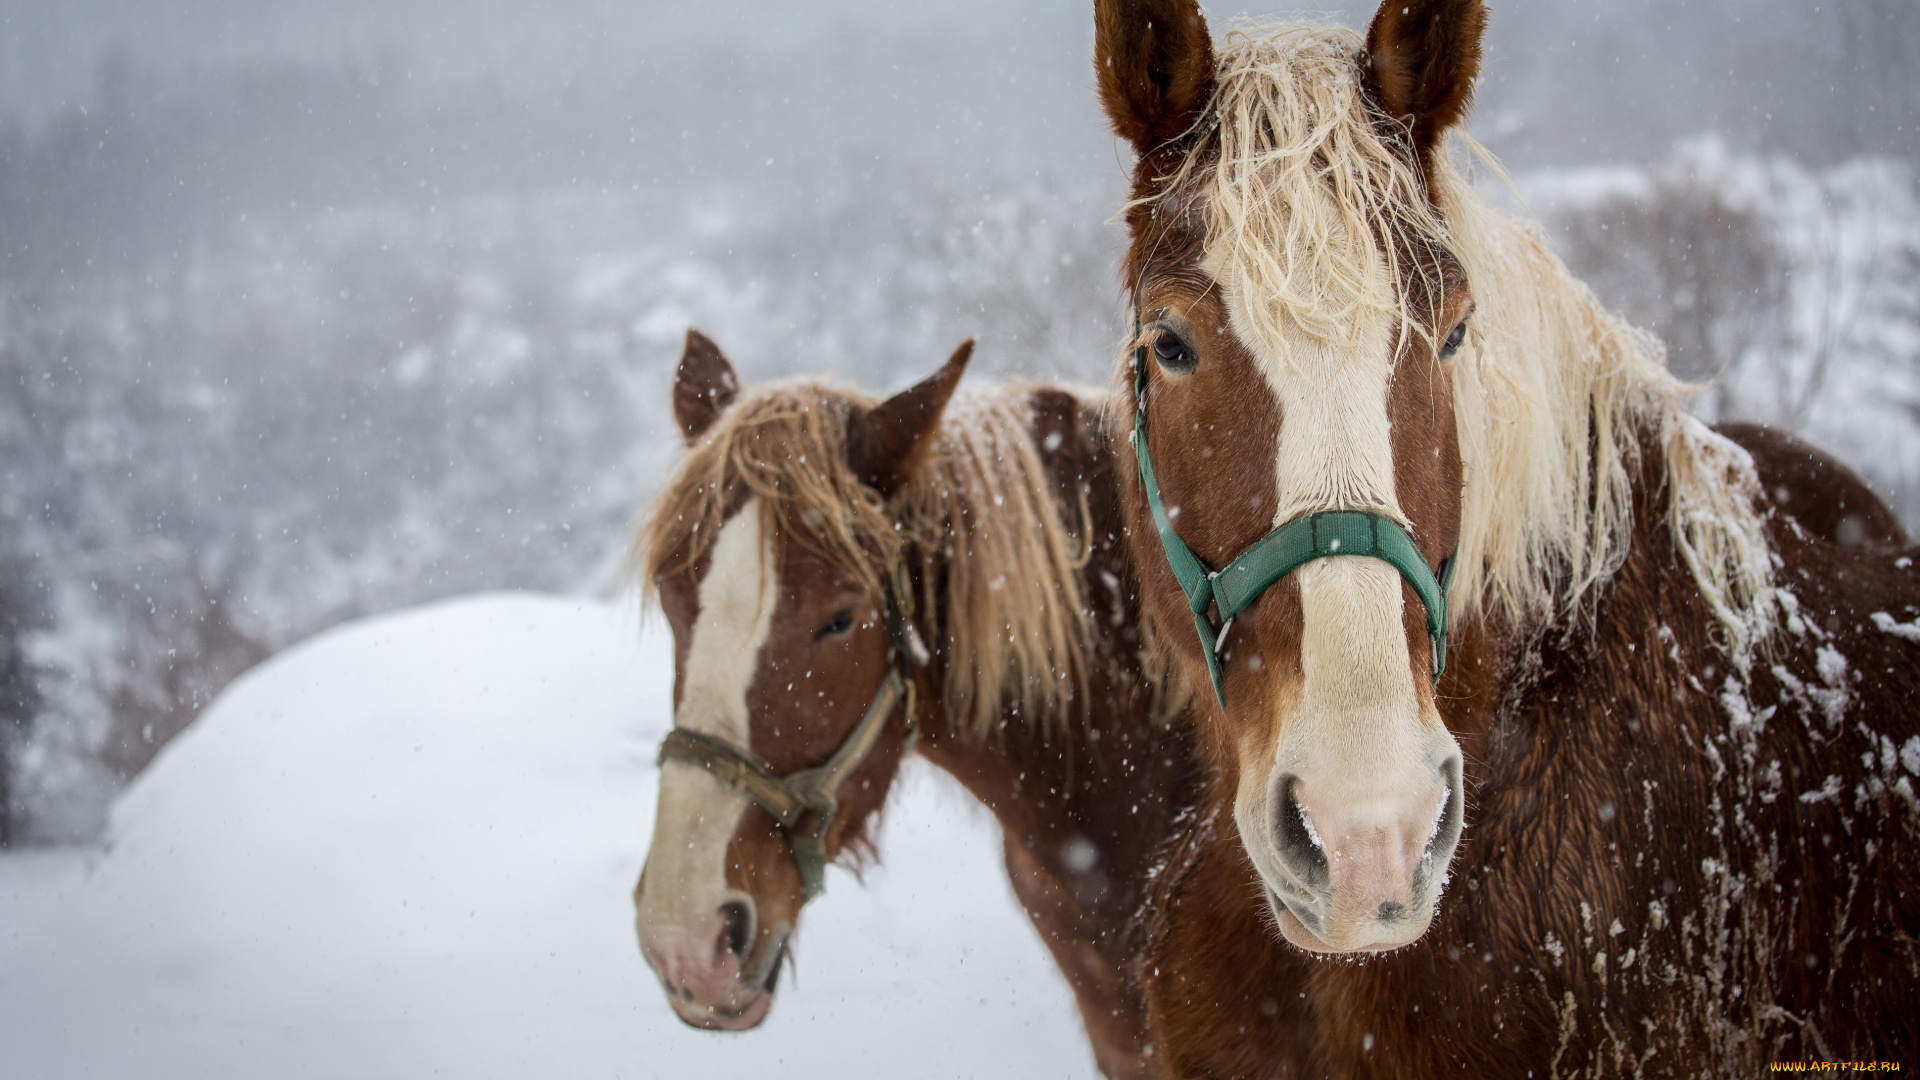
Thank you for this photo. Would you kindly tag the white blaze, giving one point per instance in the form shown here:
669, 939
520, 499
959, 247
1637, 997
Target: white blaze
697, 815
1336, 453
1336, 441
1360, 740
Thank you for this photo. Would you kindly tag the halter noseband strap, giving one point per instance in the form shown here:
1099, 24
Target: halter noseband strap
790, 799
1328, 534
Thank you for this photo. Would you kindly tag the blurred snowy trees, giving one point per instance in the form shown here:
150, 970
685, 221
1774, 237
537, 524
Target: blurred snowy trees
19, 691
1792, 292
1676, 257
207, 463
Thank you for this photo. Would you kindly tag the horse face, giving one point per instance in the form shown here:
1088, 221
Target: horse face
1348, 786
777, 652
1347, 782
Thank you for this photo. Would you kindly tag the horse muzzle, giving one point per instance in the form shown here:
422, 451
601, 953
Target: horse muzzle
1358, 866
719, 975
732, 1013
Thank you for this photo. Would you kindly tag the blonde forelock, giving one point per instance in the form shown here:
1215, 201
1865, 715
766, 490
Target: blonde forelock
997, 558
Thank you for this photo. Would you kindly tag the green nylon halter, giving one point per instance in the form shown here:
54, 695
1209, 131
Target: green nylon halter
1328, 534
805, 803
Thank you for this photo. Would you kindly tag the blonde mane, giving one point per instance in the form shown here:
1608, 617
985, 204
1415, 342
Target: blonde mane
996, 557
1306, 201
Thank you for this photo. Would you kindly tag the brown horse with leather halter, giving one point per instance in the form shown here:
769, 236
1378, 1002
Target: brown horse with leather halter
1373, 418
846, 580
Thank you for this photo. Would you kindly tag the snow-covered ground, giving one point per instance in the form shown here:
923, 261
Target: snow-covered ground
404, 849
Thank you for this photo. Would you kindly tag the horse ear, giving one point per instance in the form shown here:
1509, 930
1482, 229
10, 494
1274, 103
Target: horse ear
1154, 62
882, 444
1422, 58
703, 386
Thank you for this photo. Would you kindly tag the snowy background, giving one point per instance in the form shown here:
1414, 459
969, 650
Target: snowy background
315, 310
405, 849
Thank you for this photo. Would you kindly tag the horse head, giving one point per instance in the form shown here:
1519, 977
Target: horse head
1299, 321
776, 563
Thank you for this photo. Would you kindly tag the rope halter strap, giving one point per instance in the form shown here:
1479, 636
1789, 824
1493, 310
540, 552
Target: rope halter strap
805, 802
1328, 534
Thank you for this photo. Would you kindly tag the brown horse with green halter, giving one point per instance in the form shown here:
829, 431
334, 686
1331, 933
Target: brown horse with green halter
1658, 812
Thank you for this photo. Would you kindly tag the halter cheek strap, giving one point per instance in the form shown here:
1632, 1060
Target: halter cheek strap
1328, 534
805, 802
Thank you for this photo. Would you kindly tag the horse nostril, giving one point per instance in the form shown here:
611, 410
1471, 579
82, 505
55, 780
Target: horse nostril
773, 977
736, 929
1446, 830
1299, 846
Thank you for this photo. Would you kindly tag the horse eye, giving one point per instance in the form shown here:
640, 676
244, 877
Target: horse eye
839, 624
1172, 353
1452, 344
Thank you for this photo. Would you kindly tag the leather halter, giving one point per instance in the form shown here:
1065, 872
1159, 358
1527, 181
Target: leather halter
805, 802
1328, 534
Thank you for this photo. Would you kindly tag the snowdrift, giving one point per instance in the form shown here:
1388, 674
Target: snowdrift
405, 848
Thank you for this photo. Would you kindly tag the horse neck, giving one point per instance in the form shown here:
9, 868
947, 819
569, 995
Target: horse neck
1095, 781
1642, 628
1107, 773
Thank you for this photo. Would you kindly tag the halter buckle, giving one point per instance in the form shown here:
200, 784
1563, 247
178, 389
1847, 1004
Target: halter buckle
1220, 642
